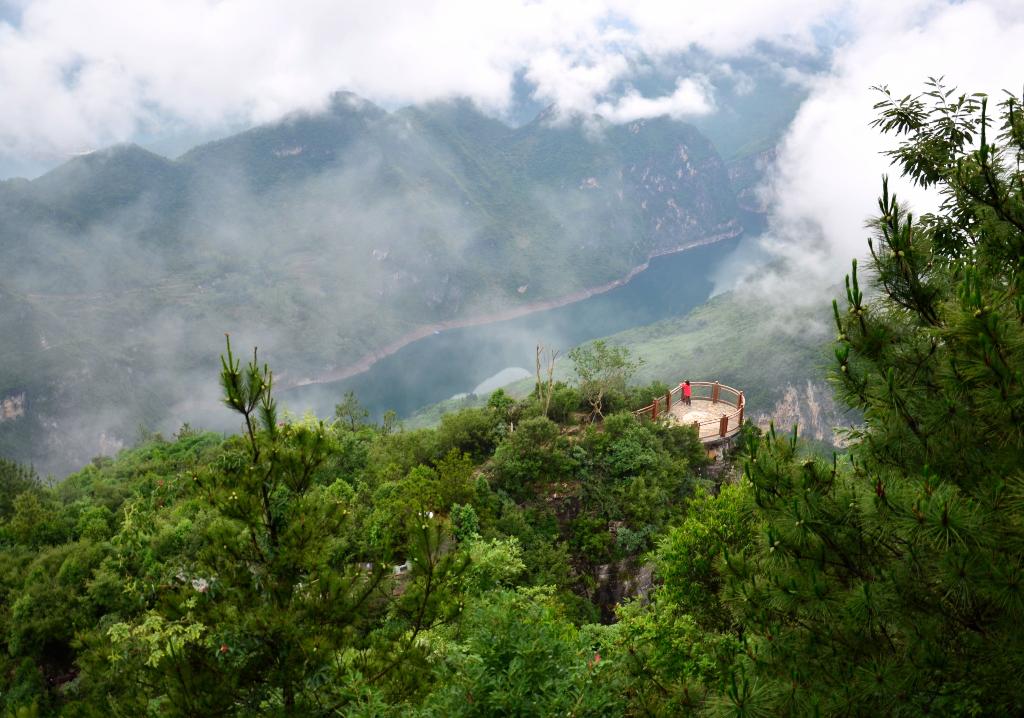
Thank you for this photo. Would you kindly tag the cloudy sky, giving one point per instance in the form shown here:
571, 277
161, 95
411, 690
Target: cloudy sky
80, 74
77, 74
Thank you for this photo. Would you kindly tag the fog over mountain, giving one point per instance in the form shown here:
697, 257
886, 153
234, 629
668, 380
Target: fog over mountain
321, 238
163, 68
324, 180
827, 170
458, 358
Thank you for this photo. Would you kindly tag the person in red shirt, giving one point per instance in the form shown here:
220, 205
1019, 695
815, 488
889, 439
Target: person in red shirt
687, 392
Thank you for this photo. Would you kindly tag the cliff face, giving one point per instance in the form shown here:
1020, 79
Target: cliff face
809, 405
747, 174
12, 407
615, 583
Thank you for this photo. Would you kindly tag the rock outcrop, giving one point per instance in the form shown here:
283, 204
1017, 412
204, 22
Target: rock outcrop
811, 407
12, 407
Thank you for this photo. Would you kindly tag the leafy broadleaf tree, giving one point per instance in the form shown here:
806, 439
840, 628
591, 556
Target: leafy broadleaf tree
350, 412
893, 583
679, 646
604, 370
283, 609
520, 658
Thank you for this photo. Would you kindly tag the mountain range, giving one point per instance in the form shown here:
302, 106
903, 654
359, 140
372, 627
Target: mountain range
319, 238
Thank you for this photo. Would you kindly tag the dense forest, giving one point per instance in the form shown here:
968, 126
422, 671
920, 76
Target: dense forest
311, 567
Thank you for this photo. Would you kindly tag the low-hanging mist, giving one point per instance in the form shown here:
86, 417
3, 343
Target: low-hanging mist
319, 239
820, 190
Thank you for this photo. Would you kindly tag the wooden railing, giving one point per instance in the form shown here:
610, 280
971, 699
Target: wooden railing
711, 391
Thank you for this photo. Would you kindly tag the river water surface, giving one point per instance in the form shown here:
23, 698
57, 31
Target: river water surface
456, 361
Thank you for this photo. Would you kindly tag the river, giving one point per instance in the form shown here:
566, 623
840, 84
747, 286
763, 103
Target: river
457, 361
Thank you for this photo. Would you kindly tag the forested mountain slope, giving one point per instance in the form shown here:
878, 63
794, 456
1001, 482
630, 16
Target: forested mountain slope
353, 562
312, 567
321, 238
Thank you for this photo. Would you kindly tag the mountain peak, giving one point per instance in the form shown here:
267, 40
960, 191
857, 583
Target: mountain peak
120, 152
344, 102
127, 154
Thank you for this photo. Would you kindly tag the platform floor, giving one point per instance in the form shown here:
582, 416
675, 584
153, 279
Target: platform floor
708, 413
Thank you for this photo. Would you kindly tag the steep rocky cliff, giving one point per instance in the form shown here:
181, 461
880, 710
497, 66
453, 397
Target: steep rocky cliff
810, 406
12, 406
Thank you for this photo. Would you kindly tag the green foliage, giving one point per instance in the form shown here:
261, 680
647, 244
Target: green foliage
23, 701
14, 480
565, 400
640, 395
534, 453
493, 564
201, 595
890, 583
316, 568
503, 405
465, 523
681, 645
350, 412
689, 555
473, 431
95, 523
637, 473
604, 371
37, 520
520, 658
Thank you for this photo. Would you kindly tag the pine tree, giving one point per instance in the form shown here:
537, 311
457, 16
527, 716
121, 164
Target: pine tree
893, 581
282, 608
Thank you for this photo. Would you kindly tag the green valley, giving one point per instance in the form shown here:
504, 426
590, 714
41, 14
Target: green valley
323, 238
496, 360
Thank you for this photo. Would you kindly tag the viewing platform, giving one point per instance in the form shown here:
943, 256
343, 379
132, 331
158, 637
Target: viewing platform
715, 410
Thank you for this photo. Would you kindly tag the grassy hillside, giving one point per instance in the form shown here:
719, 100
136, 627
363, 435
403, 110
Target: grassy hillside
732, 338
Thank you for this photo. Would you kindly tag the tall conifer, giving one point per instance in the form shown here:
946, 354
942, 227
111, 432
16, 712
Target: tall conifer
893, 582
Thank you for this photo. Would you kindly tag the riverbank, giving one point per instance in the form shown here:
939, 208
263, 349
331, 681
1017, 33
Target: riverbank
368, 360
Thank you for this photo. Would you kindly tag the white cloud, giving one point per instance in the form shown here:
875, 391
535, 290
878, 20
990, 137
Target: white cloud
75, 74
743, 84
829, 166
692, 96
727, 27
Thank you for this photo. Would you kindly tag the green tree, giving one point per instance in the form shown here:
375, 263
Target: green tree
535, 454
520, 658
894, 583
350, 412
679, 646
465, 524
603, 370
14, 479
37, 520
275, 610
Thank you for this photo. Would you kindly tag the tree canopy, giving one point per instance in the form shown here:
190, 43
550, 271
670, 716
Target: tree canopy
891, 581
524, 558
